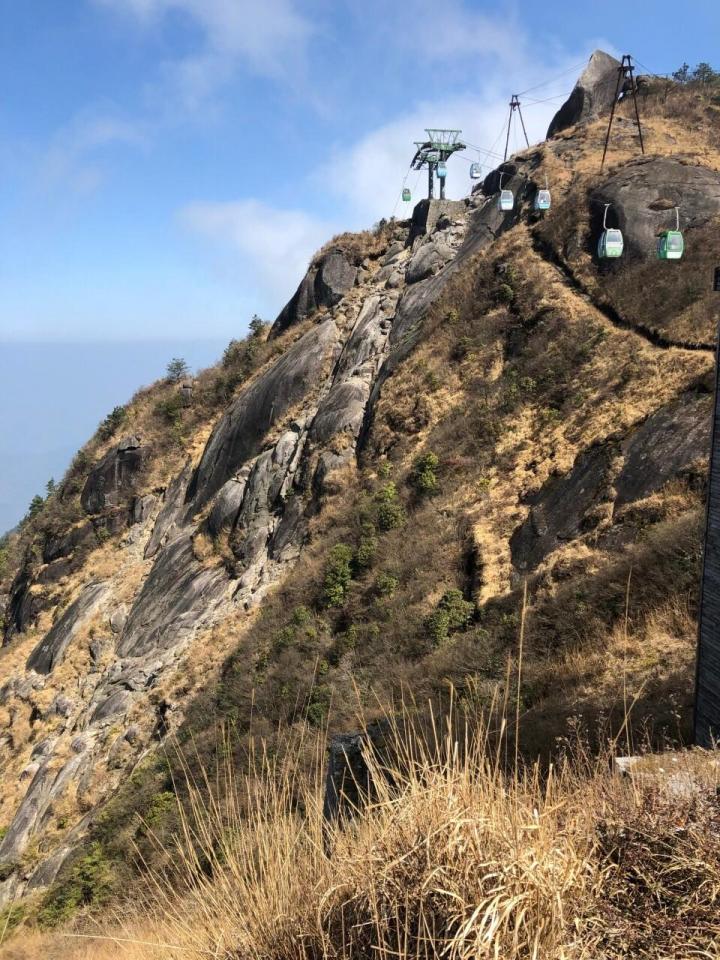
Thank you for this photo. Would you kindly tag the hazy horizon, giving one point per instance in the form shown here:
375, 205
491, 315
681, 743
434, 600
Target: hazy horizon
54, 395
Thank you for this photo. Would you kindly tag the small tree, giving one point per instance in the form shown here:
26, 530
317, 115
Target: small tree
111, 422
50, 487
36, 505
177, 370
704, 73
257, 326
683, 74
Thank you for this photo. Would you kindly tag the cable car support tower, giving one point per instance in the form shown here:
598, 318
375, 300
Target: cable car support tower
625, 78
514, 105
433, 153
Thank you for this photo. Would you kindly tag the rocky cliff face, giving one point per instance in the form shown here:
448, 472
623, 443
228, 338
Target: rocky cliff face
536, 419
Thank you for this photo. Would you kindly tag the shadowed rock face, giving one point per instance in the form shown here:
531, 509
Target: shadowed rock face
51, 649
643, 193
240, 433
592, 95
114, 477
557, 510
670, 441
324, 285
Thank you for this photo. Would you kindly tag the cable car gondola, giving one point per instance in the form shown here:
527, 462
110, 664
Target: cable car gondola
475, 171
611, 243
542, 200
670, 243
406, 195
506, 198
441, 170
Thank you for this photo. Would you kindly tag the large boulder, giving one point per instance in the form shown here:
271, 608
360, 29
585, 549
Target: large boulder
592, 95
643, 193
24, 605
47, 785
114, 477
325, 284
428, 214
240, 433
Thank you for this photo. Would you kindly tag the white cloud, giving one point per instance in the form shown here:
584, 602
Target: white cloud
368, 176
271, 247
73, 159
269, 37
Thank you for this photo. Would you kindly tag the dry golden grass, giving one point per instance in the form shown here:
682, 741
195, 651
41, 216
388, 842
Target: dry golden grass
454, 856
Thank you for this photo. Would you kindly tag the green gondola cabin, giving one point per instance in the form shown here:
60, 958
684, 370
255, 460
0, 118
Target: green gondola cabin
670, 245
406, 195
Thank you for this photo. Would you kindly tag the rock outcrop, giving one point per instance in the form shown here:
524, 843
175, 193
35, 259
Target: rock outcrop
240, 433
592, 95
644, 193
51, 649
114, 477
325, 284
120, 606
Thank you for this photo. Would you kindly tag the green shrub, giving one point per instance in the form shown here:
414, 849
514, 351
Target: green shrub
386, 584
365, 553
301, 616
338, 574
318, 705
453, 613
390, 512
423, 477
89, 883
505, 293
161, 808
438, 626
257, 326
170, 409
11, 917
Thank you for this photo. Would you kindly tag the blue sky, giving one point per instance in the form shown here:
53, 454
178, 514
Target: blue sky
168, 166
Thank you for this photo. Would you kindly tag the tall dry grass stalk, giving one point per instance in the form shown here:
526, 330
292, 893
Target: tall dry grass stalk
453, 856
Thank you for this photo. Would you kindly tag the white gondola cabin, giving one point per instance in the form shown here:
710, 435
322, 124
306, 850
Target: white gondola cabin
506, 200
475, 171
542, 200
611, 244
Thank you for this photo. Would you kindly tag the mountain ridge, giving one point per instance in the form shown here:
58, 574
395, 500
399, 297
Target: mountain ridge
351, 502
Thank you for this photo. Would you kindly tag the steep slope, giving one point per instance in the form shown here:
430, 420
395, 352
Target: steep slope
447, 409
